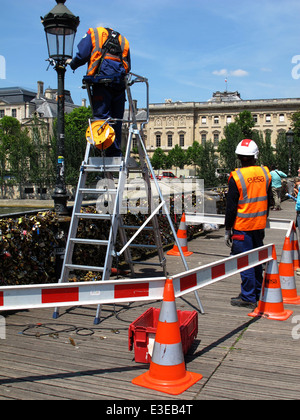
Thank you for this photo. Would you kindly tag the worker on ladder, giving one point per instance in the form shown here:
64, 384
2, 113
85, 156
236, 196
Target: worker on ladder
107, 54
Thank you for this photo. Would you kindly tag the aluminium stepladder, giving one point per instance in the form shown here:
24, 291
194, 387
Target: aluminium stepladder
106, 166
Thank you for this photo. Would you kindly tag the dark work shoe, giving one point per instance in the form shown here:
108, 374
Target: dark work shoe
238, 301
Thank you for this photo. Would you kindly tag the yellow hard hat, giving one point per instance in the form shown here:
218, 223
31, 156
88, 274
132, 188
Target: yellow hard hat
100, 134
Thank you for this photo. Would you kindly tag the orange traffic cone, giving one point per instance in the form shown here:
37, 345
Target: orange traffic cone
182, 238
295, 248
167, 371
270, 304
287, 274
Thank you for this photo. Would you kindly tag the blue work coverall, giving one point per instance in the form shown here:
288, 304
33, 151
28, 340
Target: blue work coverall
108, 101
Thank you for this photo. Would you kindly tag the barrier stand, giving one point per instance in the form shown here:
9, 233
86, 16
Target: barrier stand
287, 274
167, 371
270, 304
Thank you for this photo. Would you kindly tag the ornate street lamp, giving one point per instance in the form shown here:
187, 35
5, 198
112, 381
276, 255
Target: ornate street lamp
290, 139
60, 27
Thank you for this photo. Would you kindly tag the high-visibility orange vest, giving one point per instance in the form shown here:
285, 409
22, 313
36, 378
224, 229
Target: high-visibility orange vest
99, 36
253, 183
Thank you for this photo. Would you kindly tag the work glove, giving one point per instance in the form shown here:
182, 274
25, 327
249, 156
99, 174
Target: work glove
228, 238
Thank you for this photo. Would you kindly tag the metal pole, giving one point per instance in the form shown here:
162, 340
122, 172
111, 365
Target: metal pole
290, 160
60, 193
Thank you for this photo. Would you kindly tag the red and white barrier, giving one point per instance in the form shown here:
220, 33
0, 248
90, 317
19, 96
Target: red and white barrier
121, 291
219, 219
211, 273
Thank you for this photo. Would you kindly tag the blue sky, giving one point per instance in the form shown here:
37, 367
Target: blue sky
186, 49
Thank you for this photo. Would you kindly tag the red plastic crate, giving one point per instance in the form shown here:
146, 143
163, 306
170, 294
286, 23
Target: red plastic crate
142, 332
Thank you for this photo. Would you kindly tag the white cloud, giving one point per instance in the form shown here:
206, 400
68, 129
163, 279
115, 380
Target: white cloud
239, 73
222, 72
233, 73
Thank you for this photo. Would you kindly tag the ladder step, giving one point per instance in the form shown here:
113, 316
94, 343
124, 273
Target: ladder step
104, 168
148, 263
136, 227
111, 162
89, 241
142, 246
96, 191
105, 161
83, 267
93, 216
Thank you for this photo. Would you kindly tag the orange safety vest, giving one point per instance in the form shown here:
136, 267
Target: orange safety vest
253, 183
99, 36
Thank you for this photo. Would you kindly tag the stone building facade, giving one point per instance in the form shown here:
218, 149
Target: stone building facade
23, 104
182, 123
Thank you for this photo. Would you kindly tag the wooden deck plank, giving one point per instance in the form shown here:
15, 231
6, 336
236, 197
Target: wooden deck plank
238, 356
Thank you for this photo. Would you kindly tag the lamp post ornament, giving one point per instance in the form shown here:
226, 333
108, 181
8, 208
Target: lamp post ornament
60, 27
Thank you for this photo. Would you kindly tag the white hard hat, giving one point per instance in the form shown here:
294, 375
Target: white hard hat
247, 147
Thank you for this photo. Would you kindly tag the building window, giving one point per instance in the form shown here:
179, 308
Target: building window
14, 113
181, 140
170, 140
216, 119
281, 117
203, 139
158, 140
134, 143
203, 120
216, 139
2, 113
255, 119
268, 118
228, 120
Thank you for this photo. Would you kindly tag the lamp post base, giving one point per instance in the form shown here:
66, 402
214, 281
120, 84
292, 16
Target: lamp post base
60, 203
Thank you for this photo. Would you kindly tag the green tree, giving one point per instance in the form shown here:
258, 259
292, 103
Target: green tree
194, 154
234, 132
16, 150
295, 147
42, 172
4, 146
245, 121
266, 155
233, 135
282, 153
177, 157
207, 163
159, 159
76, 124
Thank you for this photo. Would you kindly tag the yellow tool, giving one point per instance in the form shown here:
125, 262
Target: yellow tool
100, 134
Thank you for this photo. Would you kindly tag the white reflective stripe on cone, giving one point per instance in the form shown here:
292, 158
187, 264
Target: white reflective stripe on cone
167, 354
271, 295
168, 312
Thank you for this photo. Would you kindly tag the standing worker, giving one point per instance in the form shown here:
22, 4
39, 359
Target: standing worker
107, 55
276, 186
297, 196
247, 209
